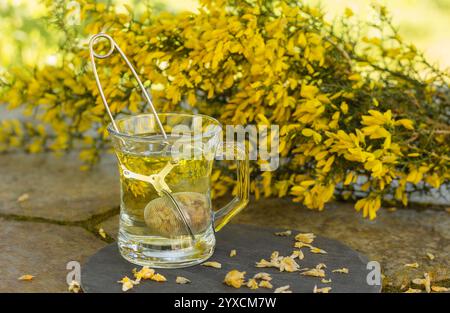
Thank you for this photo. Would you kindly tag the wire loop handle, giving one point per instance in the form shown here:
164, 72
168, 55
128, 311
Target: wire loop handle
163, 191
114, 45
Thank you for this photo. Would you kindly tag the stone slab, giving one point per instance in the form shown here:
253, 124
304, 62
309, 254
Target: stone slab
393, 238
105, 268
57, 189
42, 250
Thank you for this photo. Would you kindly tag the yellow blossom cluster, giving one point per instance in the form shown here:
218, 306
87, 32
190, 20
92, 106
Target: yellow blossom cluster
360, 116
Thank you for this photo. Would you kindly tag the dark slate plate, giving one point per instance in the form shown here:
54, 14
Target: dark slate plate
102, 270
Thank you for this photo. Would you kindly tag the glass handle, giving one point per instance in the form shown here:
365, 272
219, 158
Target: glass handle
224, 215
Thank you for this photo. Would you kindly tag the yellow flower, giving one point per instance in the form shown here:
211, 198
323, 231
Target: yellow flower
369, 206
344, 107
309, 92
348, 12
408, 124
307, 132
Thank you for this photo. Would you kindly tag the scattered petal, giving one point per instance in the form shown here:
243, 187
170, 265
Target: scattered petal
412, 265
234, 278
317, 250
298, 254
265, 263
305, 237
314, 272
74, 286
343, 270
23, 197
263, 276
393, 209
144, 273
439, 289
182, 280
288, 264
326, 281
233, 253
265, 284
321, 290
430, 256
212, 264
321, 266
158, 277
412, 290
102, 233
274, 255
252, 284
283, 289
426, 282
419, 281
300, 245
127, 283
284, 233
26, 277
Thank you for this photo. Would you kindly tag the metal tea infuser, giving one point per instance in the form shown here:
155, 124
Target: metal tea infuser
156, 180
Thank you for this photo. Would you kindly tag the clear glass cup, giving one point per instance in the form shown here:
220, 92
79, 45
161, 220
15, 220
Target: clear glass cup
151, 232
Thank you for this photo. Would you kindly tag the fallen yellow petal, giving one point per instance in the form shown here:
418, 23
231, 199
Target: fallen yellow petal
412, 290
284, 233
288, 264
314, 272
265, 284
144, 273
305, 237
283, 289
182, 280
263, 276
74, 287
317, 250
343, 270
234, 278
158, 277
439, 289
252, 284
212, 264
23, 197
298, 254
127, 283
265, 263
102, 233
26, 277
321, 290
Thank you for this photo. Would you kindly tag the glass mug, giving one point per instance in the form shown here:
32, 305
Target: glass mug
150, 232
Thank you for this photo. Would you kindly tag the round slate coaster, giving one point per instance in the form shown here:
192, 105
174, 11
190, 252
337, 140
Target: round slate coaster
102, 270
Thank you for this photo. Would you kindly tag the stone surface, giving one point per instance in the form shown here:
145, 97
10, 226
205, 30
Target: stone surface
57, 189
102, 271
42, 250
60, 192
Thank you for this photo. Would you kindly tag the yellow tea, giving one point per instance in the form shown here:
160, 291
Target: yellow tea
148, 218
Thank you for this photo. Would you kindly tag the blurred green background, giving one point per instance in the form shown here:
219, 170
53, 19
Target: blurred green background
27, 39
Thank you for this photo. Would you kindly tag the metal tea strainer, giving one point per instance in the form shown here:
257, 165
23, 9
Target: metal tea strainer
156, 180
